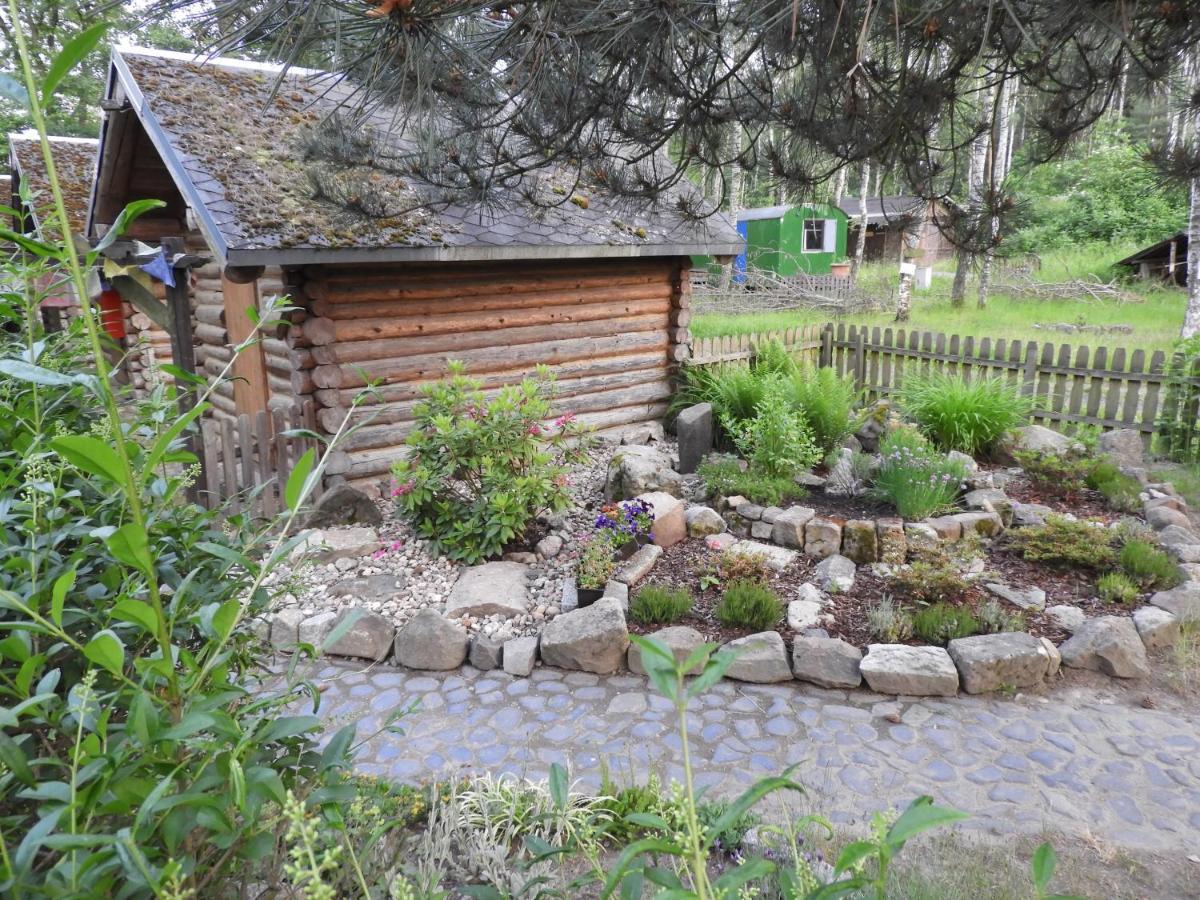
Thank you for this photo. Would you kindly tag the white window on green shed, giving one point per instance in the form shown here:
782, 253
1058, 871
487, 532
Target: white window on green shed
814, 235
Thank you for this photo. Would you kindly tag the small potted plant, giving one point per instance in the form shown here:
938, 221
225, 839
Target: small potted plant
626, 525
840, 268
596, 567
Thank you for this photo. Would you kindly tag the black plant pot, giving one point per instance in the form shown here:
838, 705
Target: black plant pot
629, 548
588, 596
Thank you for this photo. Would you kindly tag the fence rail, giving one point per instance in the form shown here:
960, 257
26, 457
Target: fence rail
246, 460
1070, 385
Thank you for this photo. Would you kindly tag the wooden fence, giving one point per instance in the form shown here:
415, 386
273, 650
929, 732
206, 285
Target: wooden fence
1070, 385
247, 460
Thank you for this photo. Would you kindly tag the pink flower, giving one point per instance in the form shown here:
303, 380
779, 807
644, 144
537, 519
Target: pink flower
401, 489
564, 420
534, 429
378, 554
395, 545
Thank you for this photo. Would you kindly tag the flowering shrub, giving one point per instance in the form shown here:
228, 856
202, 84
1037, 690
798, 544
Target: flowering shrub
482, 469
916, 479
596, 564
625, 521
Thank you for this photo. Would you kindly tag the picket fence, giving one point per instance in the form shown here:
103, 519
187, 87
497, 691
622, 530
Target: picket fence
246, 460
1070, 385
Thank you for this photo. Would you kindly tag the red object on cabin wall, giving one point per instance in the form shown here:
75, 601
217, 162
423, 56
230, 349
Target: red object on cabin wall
112, 315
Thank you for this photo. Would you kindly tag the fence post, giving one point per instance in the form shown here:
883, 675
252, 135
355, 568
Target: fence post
860, 360
826, 358
1030, 375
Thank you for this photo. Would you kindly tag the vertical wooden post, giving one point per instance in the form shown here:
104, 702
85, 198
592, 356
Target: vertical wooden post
183, 351
826, 359
1031, 350
860, 360
250, 389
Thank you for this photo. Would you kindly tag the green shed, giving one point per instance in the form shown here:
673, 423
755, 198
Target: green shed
785, 240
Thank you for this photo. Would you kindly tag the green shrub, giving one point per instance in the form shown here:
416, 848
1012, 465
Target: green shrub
942, 622
919, 482
1148, 565
932, 578
725, 478
482, 469
772, 358
1116, 587
889, 622
826, 400
1056, 474
995, 619
733, 390
659, 605
960, 415
749, 604
1065, 542
1120, 490
776, 440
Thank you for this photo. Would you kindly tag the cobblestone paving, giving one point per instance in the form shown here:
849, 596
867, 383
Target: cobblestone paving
1074, 762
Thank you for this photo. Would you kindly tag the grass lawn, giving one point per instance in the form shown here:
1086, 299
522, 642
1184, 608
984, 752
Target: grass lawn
1155, 320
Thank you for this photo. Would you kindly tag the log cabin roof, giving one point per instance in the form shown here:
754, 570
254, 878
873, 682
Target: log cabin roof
75, 164
235, 137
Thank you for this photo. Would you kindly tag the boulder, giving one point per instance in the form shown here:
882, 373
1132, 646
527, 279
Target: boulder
911, 671
828, 662
761, 531
694, 432
343, 505
378, 587
947, 528
1052, 654
1108, 644
285, 628
618, 590
635, 470
989, 662
679, 639
643, 433
835, 574
874, 425
491, 589
1161, 517
751, 512
771, 513
486, 654
789, 525
804, 614
549, 546
430, 641
1170, 502
314, 629
822, 538
639, 565
1029, 515
1183, 602
1157, 627
1026, 598
777, 558
670, 524
762, 659
969, 466
720, 542
593, 639
893, 545
1178, 535
985, 524
811, 480
921, 537
702, 521
1068, 618
520, 655
369, 635
1034, 439
331, 544
1124, 447
860, 542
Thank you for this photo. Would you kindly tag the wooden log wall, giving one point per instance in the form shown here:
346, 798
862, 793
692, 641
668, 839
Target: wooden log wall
612, 331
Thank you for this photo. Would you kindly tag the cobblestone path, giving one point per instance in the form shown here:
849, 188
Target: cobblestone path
1073, 762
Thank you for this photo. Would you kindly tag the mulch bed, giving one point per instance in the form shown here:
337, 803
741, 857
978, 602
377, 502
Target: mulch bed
1087, 504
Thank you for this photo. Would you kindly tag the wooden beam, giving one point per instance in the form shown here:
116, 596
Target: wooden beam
250, 390
243, 274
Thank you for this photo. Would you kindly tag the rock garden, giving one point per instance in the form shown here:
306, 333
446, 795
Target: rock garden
933, 543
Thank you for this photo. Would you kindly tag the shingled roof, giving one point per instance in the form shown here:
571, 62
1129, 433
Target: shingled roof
75, 163
884, 210
233, 135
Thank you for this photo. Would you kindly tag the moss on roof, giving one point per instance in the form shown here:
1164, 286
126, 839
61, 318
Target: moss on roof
75, 164
242, 135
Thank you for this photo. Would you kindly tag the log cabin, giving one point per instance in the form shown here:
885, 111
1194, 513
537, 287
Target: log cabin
388, 277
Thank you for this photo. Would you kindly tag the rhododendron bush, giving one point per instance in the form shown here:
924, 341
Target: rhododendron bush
482, 468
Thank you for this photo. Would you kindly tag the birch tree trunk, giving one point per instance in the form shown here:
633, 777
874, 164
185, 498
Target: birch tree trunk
839, 185
1191, 319
975, 179
998, 171
904, 297
861, 245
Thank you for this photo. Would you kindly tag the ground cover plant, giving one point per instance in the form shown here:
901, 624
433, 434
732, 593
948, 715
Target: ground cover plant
724, 477
943, 622
1066, 542
1148, 566
1117, 587
956, 414
659, 605
748, 603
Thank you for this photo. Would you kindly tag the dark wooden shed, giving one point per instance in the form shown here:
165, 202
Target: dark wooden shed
896, 224
1165, 260
391, 277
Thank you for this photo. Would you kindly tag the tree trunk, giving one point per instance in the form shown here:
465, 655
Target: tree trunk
839, 185
861, 245
904, 297
1191, 320
975, 179
997, 172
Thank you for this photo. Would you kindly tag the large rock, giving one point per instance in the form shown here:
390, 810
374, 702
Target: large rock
874, 425
330, 545
1157, 627
822, 538
1068, 618
1124, 447
343, 505
703, 521
639, 565
1108, 644
805, 614
670, 523
1034, 439
893, 545
788, 527
989, 662
859, 541
911, 671
593, 639
947, 528
985, 524
285, 628
492, 589
1183, 601
835, 574
762, 659
1029, 515
1161, 517
379, 587
520, 655
828, 662
369, 635
487, 653
777, 558
637, 470
694, 431
1026, 598
679, 639
921, 537
314, 629
430, 641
